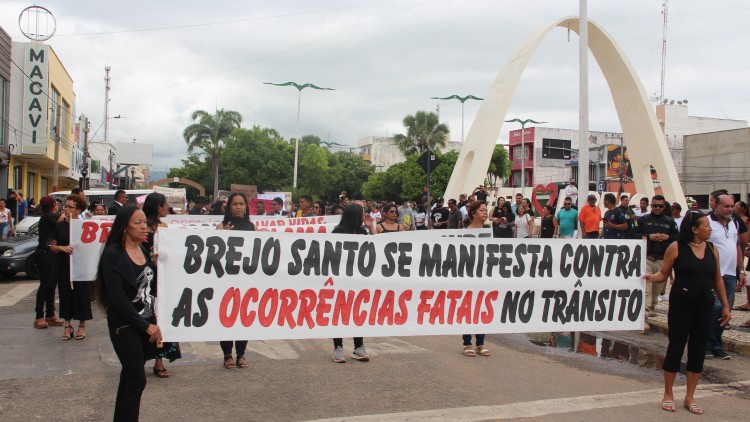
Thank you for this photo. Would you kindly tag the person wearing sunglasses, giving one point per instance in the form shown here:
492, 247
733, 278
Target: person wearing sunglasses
659, 230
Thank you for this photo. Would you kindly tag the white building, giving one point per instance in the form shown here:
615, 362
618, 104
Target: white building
676, 124
382, 152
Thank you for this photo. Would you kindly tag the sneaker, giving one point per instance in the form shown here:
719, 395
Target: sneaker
664, 298
720, 354
338, 355
360, 354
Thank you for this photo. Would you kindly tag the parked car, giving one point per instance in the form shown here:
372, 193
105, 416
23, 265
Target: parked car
26, 224
18, 254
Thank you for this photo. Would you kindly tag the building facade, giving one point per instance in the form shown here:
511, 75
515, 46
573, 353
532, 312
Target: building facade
382, 152
42, 110
5, 68
717, 160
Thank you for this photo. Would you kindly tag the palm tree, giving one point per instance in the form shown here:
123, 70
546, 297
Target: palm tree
208, 133
423, 131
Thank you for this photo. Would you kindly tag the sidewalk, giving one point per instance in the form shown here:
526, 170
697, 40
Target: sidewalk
736, 340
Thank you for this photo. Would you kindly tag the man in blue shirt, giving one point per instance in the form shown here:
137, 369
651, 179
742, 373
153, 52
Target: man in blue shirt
614, 222
567, 219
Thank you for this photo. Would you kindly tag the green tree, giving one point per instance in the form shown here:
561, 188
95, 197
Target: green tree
423, 130
405, 180
257, 156
208, 133
500, 165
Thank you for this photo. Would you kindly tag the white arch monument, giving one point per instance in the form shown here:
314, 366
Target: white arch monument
646, 143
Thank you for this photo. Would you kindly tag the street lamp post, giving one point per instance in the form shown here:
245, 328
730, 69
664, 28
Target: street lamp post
523, 150
299, 87
463, 100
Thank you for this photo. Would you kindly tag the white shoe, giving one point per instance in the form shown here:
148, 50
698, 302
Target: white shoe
664, 298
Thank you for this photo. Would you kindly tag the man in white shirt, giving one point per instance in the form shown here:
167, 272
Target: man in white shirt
677, 213
571, 191
725, 235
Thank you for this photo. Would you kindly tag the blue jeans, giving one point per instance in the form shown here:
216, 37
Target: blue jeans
716, 331
4, 230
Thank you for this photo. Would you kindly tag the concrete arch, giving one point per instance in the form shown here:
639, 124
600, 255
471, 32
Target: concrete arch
201, 189
646, 143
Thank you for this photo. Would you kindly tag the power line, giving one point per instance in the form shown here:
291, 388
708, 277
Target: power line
280, 53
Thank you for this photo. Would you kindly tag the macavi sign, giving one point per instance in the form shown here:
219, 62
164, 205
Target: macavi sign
36, 67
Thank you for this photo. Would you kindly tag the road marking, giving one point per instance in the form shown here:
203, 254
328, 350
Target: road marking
540, 408
17, 293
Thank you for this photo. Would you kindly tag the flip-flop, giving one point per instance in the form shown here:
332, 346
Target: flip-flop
667, 405
745, 324
694, 408
741, 308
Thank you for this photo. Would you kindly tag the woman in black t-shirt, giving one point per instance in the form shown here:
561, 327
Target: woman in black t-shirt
548, 224
122, 287
352, 223
236, 217
503, 221
45, 259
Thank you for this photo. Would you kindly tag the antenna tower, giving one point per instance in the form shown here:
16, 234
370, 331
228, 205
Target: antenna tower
106, 103
663, 52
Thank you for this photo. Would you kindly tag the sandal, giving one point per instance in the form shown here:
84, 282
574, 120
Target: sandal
483, 351
741, 308
242, 362
694, 408
67, 335
229, 362
745, 324
469, 351
81, 328
667, 405
161, 372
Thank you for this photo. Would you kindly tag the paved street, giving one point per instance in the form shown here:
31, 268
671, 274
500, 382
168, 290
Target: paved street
409, 378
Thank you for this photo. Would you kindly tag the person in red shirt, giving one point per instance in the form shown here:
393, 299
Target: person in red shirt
590, 216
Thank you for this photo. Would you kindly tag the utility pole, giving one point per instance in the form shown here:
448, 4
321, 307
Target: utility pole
56, 165
663, 52
583, 98
106, 103
111, 168
84, 183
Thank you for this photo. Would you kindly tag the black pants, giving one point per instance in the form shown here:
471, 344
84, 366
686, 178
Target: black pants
689, 319
591, 235
45, 295
479, 337
239, 345
358, 341
75, 302
129, 345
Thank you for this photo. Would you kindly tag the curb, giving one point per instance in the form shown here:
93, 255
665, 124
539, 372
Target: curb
730, 345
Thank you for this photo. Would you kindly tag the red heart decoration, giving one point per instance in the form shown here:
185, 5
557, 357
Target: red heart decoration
541, 190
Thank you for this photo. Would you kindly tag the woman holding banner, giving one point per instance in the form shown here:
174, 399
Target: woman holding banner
389, 224
155, 207
691, 302
45, 295
352, 222
122, 287
477, 216
75, 298
236, 217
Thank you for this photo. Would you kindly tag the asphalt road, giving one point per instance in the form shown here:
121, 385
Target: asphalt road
408, 378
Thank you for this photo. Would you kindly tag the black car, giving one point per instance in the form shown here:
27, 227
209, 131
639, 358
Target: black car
17, 254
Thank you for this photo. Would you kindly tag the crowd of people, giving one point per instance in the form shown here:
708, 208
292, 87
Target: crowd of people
700, 255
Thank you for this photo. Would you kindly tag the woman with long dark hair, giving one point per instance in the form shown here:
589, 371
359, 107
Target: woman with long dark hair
123, 287
420, 217
476, 215
389, 223
45, 260
351, 223
156, 207
75, 298
236, 217
691, 302
548, 225
503, 221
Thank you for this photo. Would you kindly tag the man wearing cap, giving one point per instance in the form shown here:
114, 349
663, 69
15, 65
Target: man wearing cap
439, 216
659, 230
676, 214
278, 207
589, 216
197, 209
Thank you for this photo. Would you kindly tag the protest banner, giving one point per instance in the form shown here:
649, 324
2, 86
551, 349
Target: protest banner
175, 196
264, 285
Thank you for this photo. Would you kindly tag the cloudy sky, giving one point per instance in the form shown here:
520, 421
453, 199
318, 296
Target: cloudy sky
385, 59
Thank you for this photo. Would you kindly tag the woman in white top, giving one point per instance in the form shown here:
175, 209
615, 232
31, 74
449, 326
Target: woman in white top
523, 222
6, 221
375, 213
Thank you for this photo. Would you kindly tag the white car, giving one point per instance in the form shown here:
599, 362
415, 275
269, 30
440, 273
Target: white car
25, 225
